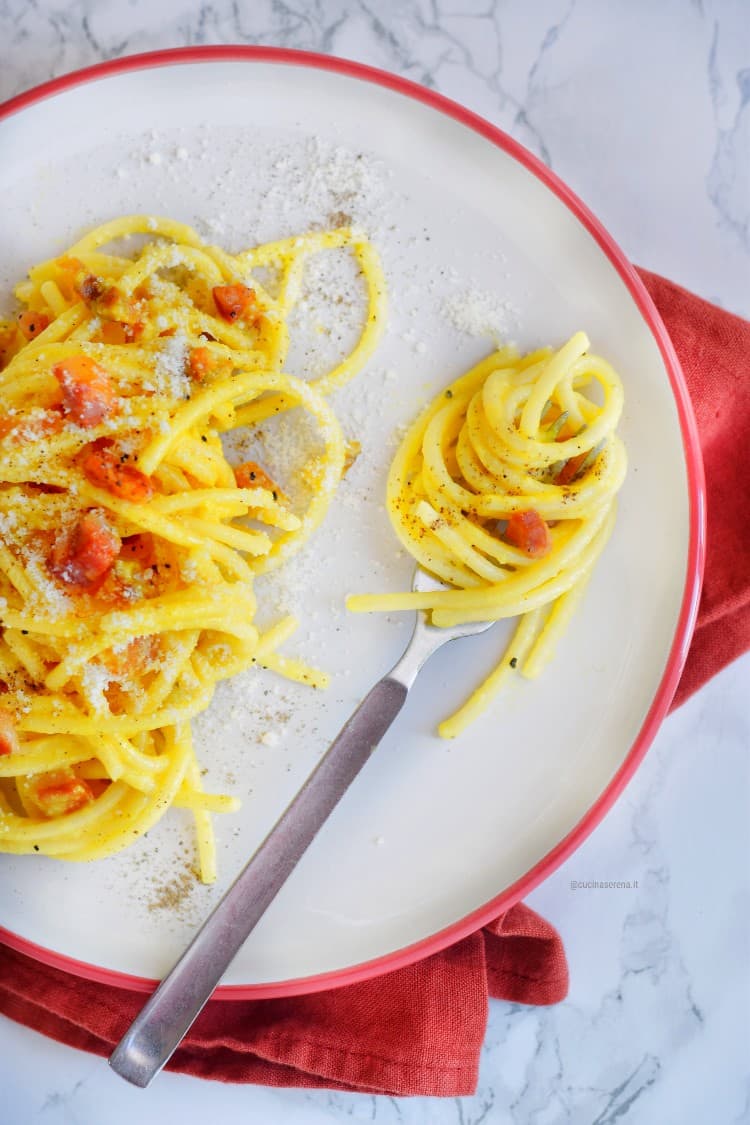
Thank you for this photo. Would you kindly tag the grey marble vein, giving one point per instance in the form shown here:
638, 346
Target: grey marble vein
728, 180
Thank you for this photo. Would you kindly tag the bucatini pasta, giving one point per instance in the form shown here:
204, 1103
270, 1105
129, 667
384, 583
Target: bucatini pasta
505, 488
128, 543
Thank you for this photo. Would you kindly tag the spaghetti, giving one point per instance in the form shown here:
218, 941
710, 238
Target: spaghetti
128, 543
504, 488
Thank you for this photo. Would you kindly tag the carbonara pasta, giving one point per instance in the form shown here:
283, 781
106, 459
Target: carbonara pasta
128, 543
505, 489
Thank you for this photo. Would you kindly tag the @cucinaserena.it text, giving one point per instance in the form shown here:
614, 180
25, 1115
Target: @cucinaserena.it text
604, 884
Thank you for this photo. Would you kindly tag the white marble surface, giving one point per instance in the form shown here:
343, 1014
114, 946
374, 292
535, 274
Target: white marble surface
644, 109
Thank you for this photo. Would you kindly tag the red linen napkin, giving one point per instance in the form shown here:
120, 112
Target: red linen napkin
713, 348
419, 1030
416, 1030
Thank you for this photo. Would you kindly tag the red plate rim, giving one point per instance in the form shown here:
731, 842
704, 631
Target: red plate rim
696, 486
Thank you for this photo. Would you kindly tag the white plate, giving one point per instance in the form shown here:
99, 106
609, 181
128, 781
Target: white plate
433, 837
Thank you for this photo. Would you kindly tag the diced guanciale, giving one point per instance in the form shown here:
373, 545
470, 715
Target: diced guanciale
63, 797
86, 553
32, 323
9, 743
106, 469
570, 469
199, 364
90, 288
112, 332
251, 475
139, 548
108, 302
235, 302
529, 532
88, 395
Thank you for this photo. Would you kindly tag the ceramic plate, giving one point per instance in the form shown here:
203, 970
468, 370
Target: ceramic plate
478, 240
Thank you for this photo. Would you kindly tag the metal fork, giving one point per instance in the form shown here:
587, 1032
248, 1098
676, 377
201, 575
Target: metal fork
159, 1028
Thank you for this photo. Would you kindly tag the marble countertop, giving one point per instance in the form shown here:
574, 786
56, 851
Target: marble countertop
644, 109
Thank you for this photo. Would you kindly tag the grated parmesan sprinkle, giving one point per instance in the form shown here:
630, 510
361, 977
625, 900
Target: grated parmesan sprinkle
169, 376
47, 597
480, 313
95, 679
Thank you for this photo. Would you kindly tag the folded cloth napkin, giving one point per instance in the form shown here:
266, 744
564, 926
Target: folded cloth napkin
416, 1030
713, 348
419, 1030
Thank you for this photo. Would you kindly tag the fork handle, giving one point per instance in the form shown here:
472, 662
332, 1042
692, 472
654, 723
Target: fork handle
165, 1019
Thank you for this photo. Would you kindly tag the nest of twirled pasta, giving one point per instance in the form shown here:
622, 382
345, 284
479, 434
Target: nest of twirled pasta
505, 489
128, 543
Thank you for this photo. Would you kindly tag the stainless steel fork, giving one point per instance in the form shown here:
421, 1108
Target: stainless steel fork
165, 1019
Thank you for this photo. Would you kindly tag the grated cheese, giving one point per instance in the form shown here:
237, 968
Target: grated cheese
169, 374
480, 313
95, 679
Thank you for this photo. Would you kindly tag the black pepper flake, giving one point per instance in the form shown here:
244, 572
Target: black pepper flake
203, 437
514, 662
24, 632
449, 394
36, 847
